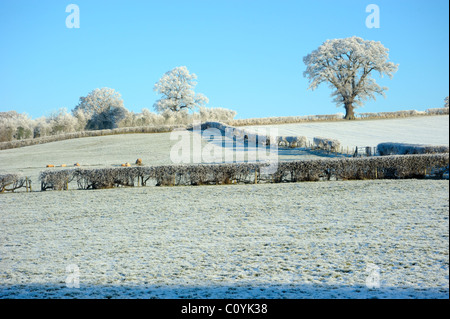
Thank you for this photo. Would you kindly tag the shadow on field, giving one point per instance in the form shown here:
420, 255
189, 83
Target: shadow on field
286, 291
306, 153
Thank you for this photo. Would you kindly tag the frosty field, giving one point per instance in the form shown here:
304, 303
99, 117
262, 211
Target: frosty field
301, 240
154, 149
420, 130
296, 240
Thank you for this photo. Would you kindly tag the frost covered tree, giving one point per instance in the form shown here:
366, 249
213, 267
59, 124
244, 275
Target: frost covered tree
177, 89
446, 102
15, 126
62, 122
101, 109
347, 66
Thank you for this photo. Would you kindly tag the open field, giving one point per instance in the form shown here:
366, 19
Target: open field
112, 151
301, 240
417, 130
154, 149
296, 240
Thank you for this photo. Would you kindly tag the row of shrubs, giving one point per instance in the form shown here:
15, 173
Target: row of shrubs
400, 114
386, 167
286, 119
239, 122
68, 136
336, 117
404, 149
165, 175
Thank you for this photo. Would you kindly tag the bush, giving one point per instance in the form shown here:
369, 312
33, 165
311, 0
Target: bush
403, 148
56, 180
388, 167
18, 130
326, 144
286, 120
392, 167
438, 111
11, 182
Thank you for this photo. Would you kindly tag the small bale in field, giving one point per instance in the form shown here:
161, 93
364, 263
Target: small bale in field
63, 165
139, 161
50, 165
76, 164
126, 165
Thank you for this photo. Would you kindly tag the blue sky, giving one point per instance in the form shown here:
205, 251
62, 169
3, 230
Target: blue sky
247, 54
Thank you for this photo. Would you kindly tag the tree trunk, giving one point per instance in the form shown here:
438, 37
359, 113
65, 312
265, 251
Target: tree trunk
349, 115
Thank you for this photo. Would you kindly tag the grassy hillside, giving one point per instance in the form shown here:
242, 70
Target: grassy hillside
154, 149
431, 130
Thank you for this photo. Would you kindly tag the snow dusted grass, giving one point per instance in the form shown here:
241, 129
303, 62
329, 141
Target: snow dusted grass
297, 240
154, 149
111, 150
431, 130
300, 240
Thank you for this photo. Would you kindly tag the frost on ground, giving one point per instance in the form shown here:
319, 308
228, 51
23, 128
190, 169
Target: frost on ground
299, 240
155, 149
431, 130
91, 152
114, 150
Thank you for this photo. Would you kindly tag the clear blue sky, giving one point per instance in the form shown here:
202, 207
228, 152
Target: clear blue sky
247, 54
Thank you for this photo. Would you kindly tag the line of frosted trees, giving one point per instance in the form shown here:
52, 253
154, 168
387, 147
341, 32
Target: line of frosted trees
104, 108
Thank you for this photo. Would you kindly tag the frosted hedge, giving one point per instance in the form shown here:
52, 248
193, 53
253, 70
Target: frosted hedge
166, 175
404, 149
386, 167
147, 122
327, 144
336, 117
12, 182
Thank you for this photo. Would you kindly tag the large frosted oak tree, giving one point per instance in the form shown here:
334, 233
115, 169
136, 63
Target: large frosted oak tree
347, 66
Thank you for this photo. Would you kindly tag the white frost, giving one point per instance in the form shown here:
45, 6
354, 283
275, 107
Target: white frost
302, 240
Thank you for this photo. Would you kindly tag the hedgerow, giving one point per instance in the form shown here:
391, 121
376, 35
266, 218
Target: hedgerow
380, 167
404, 148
